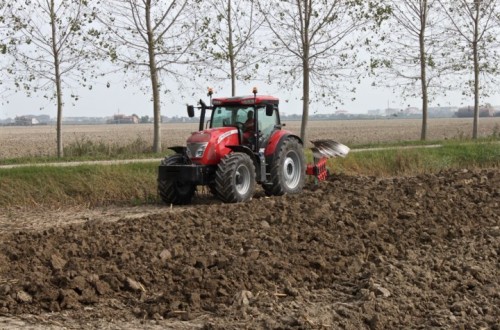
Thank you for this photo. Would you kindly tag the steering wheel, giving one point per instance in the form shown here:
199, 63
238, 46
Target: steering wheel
240, 125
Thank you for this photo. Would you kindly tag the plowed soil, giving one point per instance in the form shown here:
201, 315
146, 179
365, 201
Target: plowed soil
351, 253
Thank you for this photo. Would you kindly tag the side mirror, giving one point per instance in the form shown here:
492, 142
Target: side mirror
269, 109
190, 110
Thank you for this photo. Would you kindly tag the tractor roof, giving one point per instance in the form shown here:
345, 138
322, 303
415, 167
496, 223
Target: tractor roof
245, 100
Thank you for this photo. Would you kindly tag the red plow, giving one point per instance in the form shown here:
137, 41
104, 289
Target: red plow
322, 151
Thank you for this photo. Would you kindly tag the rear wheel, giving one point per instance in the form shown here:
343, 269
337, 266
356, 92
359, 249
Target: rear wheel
287, 169
235, 178
172, 191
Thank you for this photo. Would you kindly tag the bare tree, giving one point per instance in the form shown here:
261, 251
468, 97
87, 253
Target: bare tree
316, 44
6, 39
475, 27
413, 59
3, 26
149, 38
231, 42
50, 53
3, 39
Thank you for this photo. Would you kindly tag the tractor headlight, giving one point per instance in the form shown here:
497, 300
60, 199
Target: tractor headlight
196, 150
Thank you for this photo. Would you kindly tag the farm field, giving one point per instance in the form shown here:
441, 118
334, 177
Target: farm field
40, 140
354, 252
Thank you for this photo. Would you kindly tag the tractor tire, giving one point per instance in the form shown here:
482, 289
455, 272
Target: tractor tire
235, 178
288, 169
174, 192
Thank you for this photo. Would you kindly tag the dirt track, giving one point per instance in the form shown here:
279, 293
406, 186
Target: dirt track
358, 252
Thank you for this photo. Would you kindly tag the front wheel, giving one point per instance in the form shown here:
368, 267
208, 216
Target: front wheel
235, 178
287, 169
172, 191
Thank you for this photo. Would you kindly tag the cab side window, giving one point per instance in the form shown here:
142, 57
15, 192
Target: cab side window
266, 123
221, 117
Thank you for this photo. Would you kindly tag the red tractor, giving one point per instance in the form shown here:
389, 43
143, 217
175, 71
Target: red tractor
242, 144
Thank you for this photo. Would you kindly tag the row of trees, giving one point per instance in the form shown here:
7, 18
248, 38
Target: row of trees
322, 47
441, 45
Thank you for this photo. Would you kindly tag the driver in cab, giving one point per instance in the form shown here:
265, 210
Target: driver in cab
249, 127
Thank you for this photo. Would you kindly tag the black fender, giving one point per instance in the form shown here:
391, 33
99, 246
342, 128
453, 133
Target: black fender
243, 149
179, 149
249, 152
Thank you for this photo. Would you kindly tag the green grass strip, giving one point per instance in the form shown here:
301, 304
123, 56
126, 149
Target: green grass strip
90, 185
414, 161
135, 183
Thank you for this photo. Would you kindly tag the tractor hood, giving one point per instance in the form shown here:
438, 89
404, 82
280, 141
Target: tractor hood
209, 146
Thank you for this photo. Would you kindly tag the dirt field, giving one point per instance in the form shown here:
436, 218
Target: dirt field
354, 253
40, 140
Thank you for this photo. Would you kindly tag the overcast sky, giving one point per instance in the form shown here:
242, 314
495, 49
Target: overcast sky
102, 101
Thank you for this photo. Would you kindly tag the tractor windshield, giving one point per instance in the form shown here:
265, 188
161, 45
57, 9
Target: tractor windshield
238, 115
230, 116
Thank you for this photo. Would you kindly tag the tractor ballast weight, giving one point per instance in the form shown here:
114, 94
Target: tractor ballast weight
241, 145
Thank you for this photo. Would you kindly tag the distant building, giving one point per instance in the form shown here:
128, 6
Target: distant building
26, 121
43, 119
83, 120
376, 112
8, 121
467, 112
411, 111
392, 112
442, 112
341, 113
122, 119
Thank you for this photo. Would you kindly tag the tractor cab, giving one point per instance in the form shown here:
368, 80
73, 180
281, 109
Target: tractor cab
255, 118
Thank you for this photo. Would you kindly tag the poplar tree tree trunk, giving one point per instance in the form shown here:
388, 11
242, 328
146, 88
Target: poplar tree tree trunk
476, 70
305, 20
305, 101
232, 63
154, 81
57, 76
423, 73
